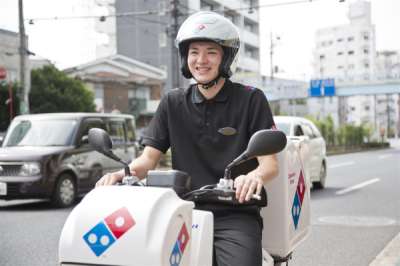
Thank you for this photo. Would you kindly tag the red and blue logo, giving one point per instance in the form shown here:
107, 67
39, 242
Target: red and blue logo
179, 247
298, 199
108, 231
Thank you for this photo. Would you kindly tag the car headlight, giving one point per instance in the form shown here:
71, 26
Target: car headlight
29, 169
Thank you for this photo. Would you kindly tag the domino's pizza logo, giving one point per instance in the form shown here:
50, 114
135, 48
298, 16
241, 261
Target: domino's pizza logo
179, 246
108, 231
298, 199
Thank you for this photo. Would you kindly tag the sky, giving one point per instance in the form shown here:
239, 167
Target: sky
67, 42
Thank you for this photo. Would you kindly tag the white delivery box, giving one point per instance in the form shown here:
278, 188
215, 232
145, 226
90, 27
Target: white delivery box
287, 215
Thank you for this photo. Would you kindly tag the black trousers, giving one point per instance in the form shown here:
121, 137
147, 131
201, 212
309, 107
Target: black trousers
237, 238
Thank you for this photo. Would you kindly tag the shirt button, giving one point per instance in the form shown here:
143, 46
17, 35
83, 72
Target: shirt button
207, 124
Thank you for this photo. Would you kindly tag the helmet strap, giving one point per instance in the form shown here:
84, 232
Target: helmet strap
210, 84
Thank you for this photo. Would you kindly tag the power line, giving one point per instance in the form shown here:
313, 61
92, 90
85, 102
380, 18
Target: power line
164, 12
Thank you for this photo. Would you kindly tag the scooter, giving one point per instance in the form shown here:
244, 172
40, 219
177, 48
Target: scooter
154, 223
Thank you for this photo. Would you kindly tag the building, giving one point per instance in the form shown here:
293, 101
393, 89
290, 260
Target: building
9, 54
150, 38
388, 65
286, 97
118, 81
347, 54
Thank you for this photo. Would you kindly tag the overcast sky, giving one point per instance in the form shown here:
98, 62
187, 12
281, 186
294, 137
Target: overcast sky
67, 43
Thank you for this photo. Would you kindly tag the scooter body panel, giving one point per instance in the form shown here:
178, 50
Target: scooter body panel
287, 216
202, 238
109, 227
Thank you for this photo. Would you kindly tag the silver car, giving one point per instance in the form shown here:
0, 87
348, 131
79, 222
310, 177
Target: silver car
312, 147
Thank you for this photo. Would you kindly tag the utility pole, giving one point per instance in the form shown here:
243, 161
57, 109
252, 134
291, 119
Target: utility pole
271, 55
24, 101
174, 52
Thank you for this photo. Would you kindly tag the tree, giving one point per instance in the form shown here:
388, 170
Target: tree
53, 91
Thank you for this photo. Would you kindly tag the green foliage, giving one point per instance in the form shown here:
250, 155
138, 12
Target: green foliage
4, 104
349, 136
53, 91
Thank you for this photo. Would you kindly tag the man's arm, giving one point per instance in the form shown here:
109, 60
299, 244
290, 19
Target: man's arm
139, 167
252, 183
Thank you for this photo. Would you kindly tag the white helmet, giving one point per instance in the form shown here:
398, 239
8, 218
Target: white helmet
209, 26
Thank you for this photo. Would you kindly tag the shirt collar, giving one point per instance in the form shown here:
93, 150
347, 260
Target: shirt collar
221, 96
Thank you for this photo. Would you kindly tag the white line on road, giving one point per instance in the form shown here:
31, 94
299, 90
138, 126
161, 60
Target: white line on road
341, 164
358, 186
384, 156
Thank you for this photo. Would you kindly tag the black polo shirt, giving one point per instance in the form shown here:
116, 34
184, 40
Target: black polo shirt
206, 135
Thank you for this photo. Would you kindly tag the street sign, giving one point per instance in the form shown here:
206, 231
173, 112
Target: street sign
3, 73
322, 87
315, 87
329, 87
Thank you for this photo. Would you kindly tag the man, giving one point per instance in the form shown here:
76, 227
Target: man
208, 125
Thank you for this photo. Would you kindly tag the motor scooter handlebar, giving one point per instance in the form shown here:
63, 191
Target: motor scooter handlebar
224, 197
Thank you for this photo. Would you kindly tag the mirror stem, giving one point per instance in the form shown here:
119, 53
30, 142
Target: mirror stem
127, 170
227, 174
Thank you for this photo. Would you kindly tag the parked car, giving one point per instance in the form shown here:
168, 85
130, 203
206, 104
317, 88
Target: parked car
312, 147
48, 155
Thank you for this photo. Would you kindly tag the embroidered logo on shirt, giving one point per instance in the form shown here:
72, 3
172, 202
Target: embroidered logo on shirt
227, 131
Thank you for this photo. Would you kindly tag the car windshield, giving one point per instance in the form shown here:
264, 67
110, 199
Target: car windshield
285, 127
40, 133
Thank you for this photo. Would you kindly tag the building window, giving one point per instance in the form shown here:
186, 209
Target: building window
340, 40
366, 108
366, 51
321, 57
340, 53
350, 66
251, 51
206, 6
366, 65
340, 67
350, 52
365, 36
350, 39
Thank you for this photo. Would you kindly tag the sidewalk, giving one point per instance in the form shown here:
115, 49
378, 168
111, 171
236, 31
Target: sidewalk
390, 255
394, 143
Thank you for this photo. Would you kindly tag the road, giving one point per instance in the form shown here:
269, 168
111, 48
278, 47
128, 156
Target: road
353, 219
357, 214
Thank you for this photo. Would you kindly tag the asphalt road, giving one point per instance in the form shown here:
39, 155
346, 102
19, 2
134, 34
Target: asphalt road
353, 219
358, 213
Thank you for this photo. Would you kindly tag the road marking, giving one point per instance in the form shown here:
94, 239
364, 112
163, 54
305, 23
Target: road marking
368, 221
340, 164
358, 186
380, 157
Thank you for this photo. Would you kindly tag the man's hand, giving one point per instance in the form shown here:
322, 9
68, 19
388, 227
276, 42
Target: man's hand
247, 185
110, 179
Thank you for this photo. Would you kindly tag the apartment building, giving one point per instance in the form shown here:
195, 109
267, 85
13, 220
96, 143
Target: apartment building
147, 33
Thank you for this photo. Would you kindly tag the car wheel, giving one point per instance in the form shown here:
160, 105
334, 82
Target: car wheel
322, 178
65, 191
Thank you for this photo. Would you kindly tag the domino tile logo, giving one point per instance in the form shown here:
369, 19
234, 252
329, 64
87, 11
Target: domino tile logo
108, 231
179, 246
298, 199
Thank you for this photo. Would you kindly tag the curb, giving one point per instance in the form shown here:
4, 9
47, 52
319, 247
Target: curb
390, 255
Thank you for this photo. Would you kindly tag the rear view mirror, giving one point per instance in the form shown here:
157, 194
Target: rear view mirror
263, 142
100, 141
